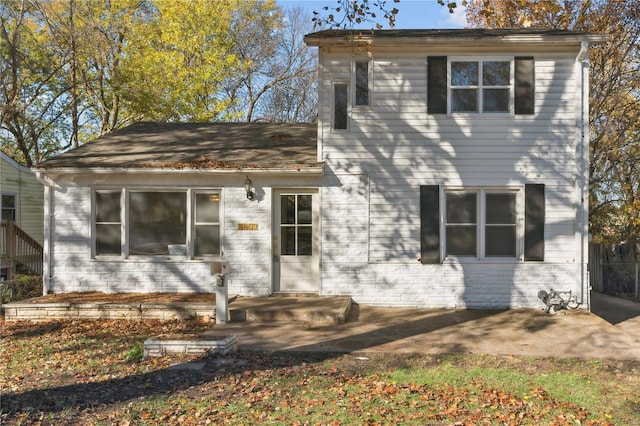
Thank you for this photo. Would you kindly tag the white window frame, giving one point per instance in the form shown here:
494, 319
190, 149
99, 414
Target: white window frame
125, 224
480, 87
481, 224
333, 106
354, 81
16, 204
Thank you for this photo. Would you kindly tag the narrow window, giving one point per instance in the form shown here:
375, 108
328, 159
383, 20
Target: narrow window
156, 220
340, 106
8, 203
500, 226
207, 224
362, 83
108, 229
461, 225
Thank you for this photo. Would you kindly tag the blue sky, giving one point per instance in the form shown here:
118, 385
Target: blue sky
413, 13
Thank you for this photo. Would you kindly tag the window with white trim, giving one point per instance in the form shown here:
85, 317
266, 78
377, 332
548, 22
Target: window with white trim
156, 223
340, 106
8, 207
361, 83
482, 223
482, 86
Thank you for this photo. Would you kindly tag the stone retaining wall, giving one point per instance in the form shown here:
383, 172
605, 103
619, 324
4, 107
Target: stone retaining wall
46, 311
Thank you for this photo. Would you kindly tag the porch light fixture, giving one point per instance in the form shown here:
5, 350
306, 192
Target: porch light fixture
248, 187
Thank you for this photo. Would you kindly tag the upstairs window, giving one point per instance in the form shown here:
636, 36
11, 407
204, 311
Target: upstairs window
480, 86
340, 106
361, 83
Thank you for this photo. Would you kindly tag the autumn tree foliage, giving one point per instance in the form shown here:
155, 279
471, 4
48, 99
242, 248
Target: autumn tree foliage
614, 98
72, 70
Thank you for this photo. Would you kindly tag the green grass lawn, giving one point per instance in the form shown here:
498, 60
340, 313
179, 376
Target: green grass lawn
88, 372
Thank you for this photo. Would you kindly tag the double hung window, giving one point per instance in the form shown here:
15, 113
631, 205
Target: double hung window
8, 207
480, 86
467, 85
150, 223
481, 223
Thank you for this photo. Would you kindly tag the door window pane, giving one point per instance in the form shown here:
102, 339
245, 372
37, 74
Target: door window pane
156, 220
304, 209
304, 241
288, 209
288, 238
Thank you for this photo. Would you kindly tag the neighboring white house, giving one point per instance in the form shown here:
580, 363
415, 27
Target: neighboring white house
448, 168
21, 205
21, 197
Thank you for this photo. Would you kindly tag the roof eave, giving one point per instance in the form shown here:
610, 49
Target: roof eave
293, 170
532, 39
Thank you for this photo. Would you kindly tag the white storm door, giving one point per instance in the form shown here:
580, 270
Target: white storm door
296, 244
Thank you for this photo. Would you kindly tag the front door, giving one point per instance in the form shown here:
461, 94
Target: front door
296, 260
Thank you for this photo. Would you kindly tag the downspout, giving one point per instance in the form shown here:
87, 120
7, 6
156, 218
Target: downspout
582, 64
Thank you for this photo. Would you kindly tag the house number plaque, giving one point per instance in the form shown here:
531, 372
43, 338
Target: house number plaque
247, 227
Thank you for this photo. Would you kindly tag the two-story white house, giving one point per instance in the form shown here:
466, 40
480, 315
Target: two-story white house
447, 168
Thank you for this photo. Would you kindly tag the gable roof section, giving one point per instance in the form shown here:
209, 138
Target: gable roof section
473, 36
9, 160
203, 146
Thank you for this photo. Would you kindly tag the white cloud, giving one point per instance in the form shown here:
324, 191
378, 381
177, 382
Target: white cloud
457, 19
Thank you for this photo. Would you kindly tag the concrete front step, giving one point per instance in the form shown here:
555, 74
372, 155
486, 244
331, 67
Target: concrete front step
310, 309
190, 345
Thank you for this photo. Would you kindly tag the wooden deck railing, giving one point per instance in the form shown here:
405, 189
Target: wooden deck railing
17, 248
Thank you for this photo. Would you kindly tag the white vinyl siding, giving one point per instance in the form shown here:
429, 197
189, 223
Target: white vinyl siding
398, 146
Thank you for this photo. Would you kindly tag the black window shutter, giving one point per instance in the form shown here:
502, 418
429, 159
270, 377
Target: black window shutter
437, 84
534, 222
429, 224
525, 85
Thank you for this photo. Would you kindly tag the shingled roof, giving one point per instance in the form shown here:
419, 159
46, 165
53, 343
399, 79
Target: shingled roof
448, 36
217, 146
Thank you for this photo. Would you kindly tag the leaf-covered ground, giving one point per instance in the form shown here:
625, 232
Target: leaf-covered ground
76, 372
